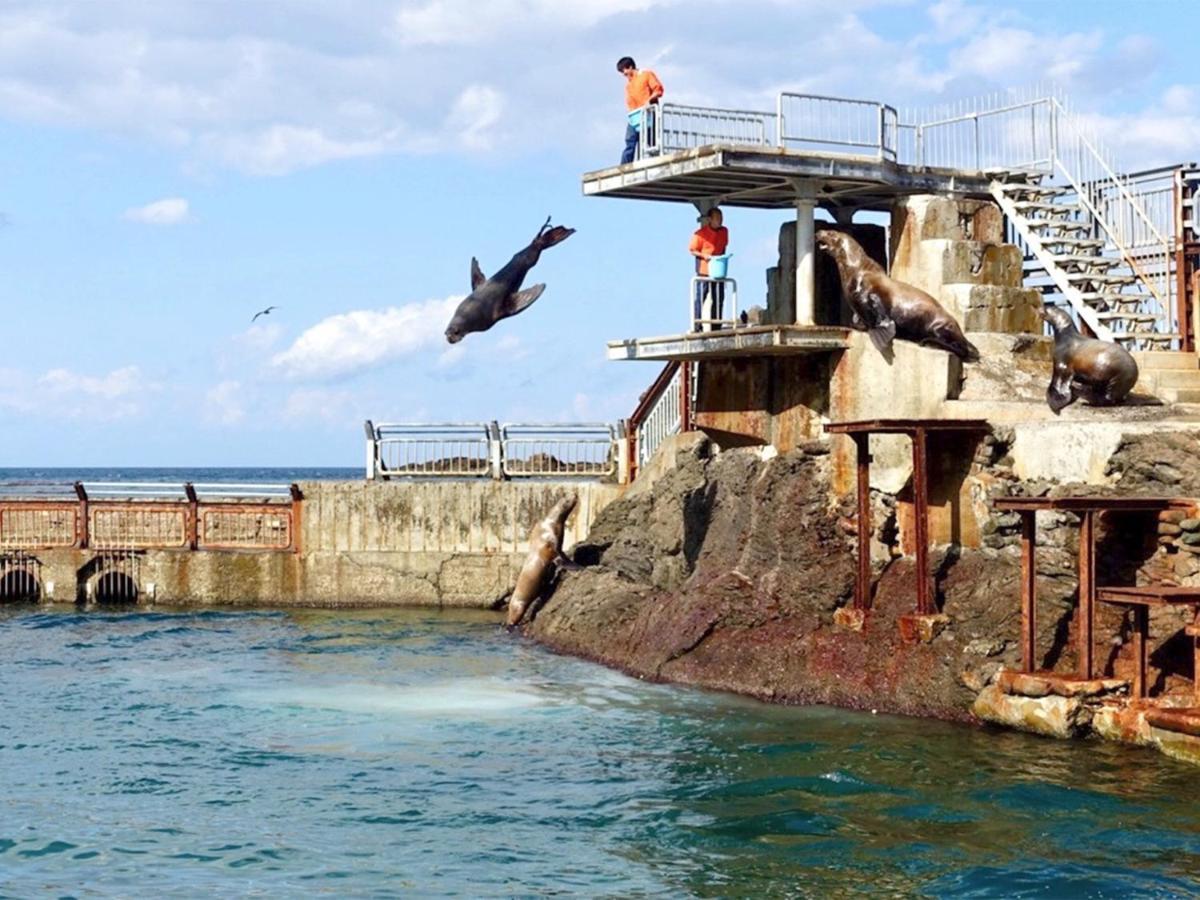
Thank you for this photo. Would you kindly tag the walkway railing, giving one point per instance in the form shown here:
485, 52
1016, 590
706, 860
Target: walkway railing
664, 409
491, 450
149, 515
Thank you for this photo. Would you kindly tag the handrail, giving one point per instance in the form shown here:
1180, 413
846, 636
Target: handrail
490, 450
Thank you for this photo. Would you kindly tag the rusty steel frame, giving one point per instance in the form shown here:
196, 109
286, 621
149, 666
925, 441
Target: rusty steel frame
1139, 599
1087, 508
918, 431
68, 507
274, 509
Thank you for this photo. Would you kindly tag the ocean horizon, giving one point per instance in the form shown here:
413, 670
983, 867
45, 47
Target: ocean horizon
36, 475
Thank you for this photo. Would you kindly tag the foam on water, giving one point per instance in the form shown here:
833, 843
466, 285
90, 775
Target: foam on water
458, 697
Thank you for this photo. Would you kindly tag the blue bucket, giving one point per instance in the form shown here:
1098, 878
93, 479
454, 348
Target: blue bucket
718, 266
635, 120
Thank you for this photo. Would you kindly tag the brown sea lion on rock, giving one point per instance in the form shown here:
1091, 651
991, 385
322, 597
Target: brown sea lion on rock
496, 298
1100, 372
545, 551
886, 308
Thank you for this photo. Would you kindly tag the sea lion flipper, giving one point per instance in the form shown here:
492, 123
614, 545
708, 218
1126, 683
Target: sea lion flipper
477, 276
1058, 393
518, 301
565, 562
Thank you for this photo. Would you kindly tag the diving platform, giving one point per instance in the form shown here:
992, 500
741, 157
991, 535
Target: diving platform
752, 341
771, 178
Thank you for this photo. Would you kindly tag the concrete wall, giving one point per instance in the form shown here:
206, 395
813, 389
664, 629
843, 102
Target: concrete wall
452, 543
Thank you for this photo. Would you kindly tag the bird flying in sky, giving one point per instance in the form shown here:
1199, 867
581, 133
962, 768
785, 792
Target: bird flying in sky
263, 312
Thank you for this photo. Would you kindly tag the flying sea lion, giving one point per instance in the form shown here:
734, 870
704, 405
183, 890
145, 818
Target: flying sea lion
888, 309
545, 551
500, 296
1100, 372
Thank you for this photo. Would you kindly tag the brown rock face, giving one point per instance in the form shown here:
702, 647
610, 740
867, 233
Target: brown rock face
728, 573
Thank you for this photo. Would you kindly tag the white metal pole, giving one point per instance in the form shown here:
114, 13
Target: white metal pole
805, 289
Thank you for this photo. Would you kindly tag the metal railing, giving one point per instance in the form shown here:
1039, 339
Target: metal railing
1009, 136
587, 450
451, 450
663, 410
491, 450
708, 318
150, 515
824, 124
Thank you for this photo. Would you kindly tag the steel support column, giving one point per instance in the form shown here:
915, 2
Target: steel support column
1028, 590
862, 584
805, 283
920, 482
1087, 591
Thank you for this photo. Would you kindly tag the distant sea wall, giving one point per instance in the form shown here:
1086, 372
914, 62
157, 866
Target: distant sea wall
427, 543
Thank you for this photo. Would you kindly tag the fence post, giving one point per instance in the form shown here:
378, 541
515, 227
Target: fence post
495, 450
193, 516
685, 396
82, 527
297, 510
372, 450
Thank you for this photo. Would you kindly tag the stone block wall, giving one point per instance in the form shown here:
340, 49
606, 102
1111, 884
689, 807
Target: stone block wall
954, 250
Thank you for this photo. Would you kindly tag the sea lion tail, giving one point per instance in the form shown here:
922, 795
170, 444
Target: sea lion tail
551, 236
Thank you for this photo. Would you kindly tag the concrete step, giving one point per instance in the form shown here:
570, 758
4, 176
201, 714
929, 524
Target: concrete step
1055, 226
1100, 278
1033, 190
1153, 360
1172, 378
1180, 395
1077, 243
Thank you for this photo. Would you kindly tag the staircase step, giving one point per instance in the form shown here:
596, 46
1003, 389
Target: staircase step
1114, 298
1114, 316
1034, 190
1028, 206
1148, 337
1057, 225
1172, 360
1100, 278
1063, 260
1064, 241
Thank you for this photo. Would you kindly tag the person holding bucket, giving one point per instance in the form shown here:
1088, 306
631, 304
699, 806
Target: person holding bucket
708, 245
641, 89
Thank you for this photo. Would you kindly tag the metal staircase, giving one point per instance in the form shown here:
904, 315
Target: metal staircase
1105, 289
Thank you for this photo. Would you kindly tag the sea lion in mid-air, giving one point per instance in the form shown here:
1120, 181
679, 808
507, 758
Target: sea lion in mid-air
500, 296
545, 551
1100, 372
887, 308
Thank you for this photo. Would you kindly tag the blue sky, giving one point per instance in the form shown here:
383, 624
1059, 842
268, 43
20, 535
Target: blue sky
168, 169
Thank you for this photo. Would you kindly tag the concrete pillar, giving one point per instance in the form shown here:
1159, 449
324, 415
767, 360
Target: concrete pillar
805, 289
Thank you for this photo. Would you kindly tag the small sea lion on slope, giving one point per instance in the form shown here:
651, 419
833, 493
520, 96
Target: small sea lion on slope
888, 309
545, 552
1101, 372
496, 298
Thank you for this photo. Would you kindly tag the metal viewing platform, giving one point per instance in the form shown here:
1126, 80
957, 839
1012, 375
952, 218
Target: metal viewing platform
746, 341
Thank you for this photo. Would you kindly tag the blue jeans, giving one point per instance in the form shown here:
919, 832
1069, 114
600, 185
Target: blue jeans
631, 143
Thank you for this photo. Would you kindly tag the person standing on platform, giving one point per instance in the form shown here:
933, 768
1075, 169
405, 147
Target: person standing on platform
641, 89
709, 240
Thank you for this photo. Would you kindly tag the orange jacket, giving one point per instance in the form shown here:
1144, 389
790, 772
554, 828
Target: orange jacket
643, 87
708, 242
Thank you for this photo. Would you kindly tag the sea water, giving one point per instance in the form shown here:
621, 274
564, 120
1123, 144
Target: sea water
416, 753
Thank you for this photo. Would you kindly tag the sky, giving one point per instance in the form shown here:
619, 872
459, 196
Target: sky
167, 169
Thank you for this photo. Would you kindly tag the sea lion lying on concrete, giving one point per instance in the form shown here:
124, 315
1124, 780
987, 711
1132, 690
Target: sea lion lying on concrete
545, 552
1101, 372
886, 308
500, 296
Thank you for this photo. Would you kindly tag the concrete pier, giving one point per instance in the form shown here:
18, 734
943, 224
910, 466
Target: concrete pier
418, 543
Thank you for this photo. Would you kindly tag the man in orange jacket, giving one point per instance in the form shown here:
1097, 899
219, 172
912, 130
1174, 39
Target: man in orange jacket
709, 240
641, 89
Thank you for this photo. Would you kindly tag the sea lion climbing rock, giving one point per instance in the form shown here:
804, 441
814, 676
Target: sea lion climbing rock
888, 309
545, 552
496, 298
1100, 372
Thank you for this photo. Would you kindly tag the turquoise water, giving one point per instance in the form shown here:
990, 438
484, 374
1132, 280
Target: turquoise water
414, 753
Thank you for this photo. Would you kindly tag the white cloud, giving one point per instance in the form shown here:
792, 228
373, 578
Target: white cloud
456, 22
62, 393
354, 341
474, 116
224, 403
168, 211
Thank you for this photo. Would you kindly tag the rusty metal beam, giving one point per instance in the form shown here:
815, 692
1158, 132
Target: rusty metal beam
1028, 590
862, 581
926, 604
